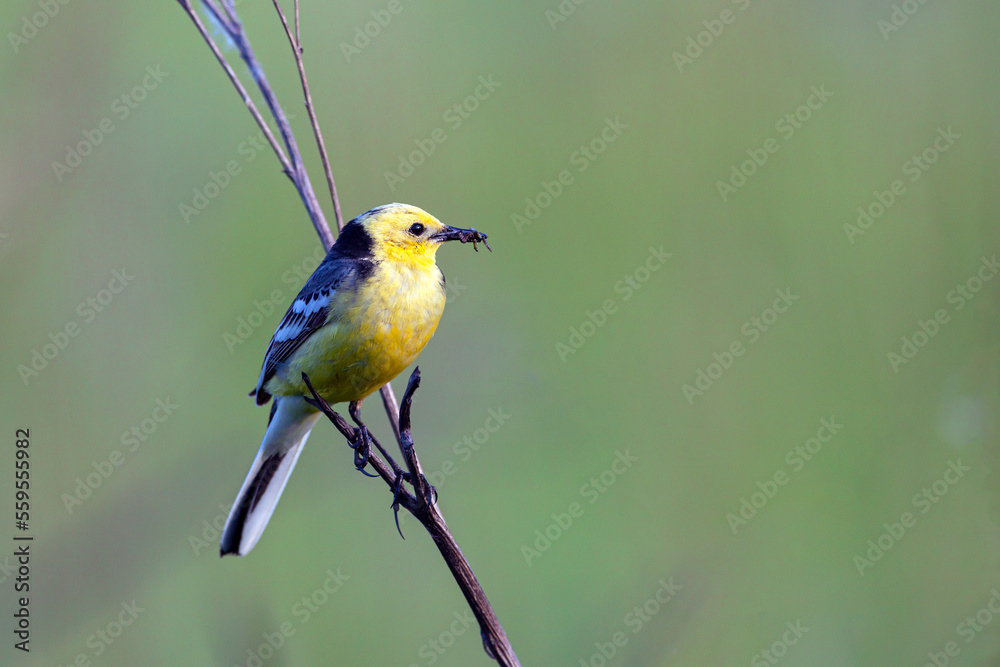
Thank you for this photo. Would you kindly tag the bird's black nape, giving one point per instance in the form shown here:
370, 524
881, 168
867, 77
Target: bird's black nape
354, 241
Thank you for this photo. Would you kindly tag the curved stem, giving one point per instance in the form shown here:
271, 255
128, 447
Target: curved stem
244, 95
296, 45
422, 504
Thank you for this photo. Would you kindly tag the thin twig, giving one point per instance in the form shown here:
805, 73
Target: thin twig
420, 486
247, 100
297, 52
422, 504
298, 40
233, 27
392, 410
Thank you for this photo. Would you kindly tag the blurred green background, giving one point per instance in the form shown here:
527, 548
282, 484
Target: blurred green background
671, 520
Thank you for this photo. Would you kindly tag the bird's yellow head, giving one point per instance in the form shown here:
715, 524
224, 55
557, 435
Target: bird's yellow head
408, 234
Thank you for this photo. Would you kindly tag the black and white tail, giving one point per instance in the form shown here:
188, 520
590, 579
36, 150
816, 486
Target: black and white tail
287, 432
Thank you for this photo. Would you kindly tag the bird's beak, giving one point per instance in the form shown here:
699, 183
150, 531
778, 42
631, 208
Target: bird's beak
463, 235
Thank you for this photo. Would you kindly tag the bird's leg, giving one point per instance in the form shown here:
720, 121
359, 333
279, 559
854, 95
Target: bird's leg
363, 452
362, 446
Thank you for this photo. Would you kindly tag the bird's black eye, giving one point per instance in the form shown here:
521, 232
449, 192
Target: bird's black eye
416, 229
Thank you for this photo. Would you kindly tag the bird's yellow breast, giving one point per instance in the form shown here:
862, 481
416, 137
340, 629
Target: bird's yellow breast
371, 334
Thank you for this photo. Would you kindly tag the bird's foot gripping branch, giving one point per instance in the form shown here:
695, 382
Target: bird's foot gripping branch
360, 439
420, 500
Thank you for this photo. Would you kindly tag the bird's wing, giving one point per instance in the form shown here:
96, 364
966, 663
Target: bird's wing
307, 313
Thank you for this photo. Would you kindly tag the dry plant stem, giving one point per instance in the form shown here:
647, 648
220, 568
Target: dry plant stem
495, 641
296, 45
421, 503
265, 128
297, 39
231, 24
392, 410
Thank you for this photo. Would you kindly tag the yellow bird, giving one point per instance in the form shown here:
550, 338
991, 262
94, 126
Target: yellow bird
362, 317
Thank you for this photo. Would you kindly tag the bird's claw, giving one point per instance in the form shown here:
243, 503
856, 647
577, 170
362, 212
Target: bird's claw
431, 493
488, 646
397, 486
397, 489
362, 451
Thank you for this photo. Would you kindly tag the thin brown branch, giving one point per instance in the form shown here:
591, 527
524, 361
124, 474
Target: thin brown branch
422, 504
247, 100
391, 410
298, 39
226, 7
303, 183
296, 45
495, 641
420, 486
229, 21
